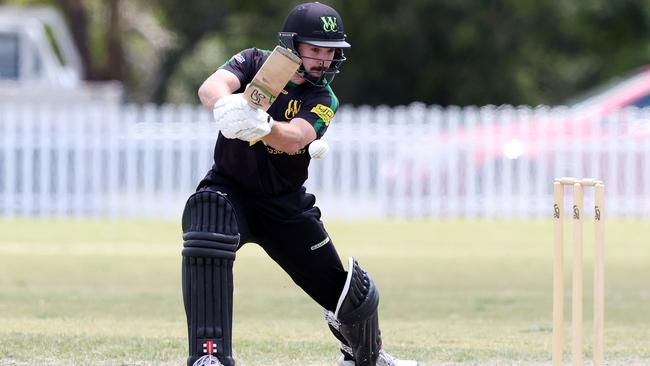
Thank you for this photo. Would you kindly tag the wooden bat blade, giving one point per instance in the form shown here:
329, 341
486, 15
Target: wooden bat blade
271, 78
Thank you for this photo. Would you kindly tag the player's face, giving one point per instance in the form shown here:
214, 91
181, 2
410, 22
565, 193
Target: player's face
315, 59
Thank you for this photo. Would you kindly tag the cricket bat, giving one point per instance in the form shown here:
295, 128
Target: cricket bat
271, 78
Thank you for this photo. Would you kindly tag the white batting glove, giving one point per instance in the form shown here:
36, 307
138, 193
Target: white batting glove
235, 118
229, 114
261, 126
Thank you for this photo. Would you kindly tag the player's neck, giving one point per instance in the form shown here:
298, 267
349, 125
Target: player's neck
297, 79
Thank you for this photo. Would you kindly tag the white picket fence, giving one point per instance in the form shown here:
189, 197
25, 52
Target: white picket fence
413, 161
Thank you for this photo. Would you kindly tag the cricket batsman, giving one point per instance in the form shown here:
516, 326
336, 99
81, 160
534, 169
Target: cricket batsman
254, 193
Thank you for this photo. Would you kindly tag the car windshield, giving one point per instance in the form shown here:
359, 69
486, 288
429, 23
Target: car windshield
8, 56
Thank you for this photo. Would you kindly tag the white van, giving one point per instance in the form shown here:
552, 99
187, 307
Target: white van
38, 59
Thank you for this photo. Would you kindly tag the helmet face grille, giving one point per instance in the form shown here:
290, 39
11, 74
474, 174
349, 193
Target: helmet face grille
326, 76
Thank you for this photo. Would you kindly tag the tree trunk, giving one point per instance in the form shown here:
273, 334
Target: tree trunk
115, 66
77, 17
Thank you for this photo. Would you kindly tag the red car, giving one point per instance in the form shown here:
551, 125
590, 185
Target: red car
477, 150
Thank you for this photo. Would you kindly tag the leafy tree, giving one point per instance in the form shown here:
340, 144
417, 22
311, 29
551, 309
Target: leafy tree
496, 51
438, 52
190, 21
234, 24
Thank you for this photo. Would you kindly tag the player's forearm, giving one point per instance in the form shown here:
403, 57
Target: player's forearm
289, 137
211, 91
219, 84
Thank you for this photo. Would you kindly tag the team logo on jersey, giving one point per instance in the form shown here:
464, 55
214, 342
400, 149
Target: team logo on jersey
292, 109
273, 151
329, 24
325, 113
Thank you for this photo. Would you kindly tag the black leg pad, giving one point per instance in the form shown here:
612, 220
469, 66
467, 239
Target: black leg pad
211, 237
357, 314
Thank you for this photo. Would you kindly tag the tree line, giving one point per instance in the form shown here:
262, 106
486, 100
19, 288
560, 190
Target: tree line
446, 52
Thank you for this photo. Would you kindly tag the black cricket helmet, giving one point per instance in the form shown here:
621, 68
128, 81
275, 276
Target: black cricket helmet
319, 25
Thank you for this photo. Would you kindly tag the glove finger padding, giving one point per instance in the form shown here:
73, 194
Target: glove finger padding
255, 133
230, 122
228, 114
232, 101
235, 118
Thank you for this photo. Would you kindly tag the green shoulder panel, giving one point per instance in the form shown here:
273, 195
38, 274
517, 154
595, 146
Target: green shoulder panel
326, 116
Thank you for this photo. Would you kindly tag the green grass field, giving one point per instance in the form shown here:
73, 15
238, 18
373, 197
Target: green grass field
453, 293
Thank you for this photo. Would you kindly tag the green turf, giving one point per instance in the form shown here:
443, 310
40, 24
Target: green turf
452, 292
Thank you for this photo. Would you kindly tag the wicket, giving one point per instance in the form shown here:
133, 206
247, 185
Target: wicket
558, 271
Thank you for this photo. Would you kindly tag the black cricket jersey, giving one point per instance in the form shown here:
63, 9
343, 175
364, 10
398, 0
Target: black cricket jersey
259, 169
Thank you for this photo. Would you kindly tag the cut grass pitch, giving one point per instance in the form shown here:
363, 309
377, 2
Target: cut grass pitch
452, 292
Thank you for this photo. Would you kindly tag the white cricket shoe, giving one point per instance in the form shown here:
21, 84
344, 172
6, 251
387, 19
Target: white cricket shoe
384, 359
207, 360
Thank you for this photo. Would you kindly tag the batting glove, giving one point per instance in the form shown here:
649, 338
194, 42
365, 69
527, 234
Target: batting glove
261, 126
232, 114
